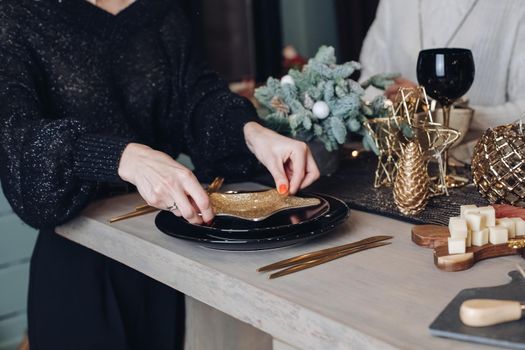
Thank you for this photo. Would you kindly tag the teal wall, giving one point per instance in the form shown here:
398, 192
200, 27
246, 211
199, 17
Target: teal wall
308, 24
16, 245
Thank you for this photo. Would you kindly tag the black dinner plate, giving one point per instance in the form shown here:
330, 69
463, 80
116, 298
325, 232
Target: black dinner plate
261, 238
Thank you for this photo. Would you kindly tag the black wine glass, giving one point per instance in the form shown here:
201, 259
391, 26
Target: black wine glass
446, 74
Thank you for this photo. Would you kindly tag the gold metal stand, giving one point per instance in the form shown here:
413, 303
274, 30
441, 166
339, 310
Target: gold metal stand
451, 180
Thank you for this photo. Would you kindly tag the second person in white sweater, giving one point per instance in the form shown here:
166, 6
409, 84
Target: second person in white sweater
493, 30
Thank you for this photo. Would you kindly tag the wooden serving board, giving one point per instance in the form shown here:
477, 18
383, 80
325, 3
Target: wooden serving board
435, 236
511, 334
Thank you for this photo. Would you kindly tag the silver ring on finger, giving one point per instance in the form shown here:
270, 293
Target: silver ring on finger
173, 207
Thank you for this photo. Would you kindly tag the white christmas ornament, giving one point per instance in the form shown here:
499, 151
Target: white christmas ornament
321, 110
287, 80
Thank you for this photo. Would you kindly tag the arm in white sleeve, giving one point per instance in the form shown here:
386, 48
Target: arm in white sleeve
374, 53
490, 116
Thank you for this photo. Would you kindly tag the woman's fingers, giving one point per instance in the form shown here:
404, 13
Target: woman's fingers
200, 199
312, 171
185, 207
176, 196
302, 169
298, 166
276, 169
290, 162
164, 183
176, 212
194, 198
295, 172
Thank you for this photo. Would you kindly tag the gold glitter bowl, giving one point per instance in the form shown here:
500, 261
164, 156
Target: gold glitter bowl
257, 206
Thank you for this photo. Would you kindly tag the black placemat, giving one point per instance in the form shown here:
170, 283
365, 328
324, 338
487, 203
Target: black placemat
354, 184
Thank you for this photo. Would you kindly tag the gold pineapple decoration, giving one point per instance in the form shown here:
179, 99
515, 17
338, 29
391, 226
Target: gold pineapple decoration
412, 182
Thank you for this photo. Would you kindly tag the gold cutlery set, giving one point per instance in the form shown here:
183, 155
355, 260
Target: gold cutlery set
308, 260
140, 210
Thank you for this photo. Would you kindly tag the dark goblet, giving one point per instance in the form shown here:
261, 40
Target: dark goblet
447, 74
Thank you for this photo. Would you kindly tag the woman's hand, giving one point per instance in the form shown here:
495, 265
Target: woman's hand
400, 82
289, 161
165, 183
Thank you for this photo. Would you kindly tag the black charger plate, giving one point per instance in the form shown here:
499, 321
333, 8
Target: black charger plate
268, 234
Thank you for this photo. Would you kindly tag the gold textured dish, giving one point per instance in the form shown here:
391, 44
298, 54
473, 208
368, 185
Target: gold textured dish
257, 206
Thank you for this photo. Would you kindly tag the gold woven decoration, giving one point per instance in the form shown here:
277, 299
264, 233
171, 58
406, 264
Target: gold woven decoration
387, 132
412, 182
498, 165
384, 133
409, 117
410, 101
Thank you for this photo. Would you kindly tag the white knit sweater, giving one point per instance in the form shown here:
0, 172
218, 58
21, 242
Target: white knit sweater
494, 31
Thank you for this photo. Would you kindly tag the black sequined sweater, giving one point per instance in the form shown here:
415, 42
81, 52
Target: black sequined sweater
77, 84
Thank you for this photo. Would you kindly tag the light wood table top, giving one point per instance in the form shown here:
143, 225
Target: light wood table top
383, 298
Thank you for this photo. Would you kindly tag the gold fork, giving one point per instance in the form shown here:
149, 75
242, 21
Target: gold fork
143, 209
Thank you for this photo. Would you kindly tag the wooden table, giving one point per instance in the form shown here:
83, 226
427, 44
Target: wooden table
383, 298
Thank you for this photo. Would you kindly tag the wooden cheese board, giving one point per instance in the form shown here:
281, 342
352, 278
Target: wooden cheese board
436, 237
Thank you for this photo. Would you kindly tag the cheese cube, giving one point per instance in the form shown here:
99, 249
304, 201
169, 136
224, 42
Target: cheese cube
509, 224
458, 227
480, 238
520, 226
456, 246
476, 222
468, 240
466, 209
490, 215
498, 235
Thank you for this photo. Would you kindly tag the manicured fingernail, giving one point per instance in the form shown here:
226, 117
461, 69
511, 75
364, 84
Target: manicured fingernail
208, 223
283, 189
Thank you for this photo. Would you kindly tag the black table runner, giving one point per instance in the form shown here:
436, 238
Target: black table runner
354, 184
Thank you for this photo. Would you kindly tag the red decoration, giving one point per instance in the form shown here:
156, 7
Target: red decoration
292, 59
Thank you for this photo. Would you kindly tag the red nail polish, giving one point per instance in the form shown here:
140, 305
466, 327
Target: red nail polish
283, 189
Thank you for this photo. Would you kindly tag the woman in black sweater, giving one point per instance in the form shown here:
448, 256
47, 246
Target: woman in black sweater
97, 96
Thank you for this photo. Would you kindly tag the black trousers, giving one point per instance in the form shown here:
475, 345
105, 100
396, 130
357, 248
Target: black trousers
79, 299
